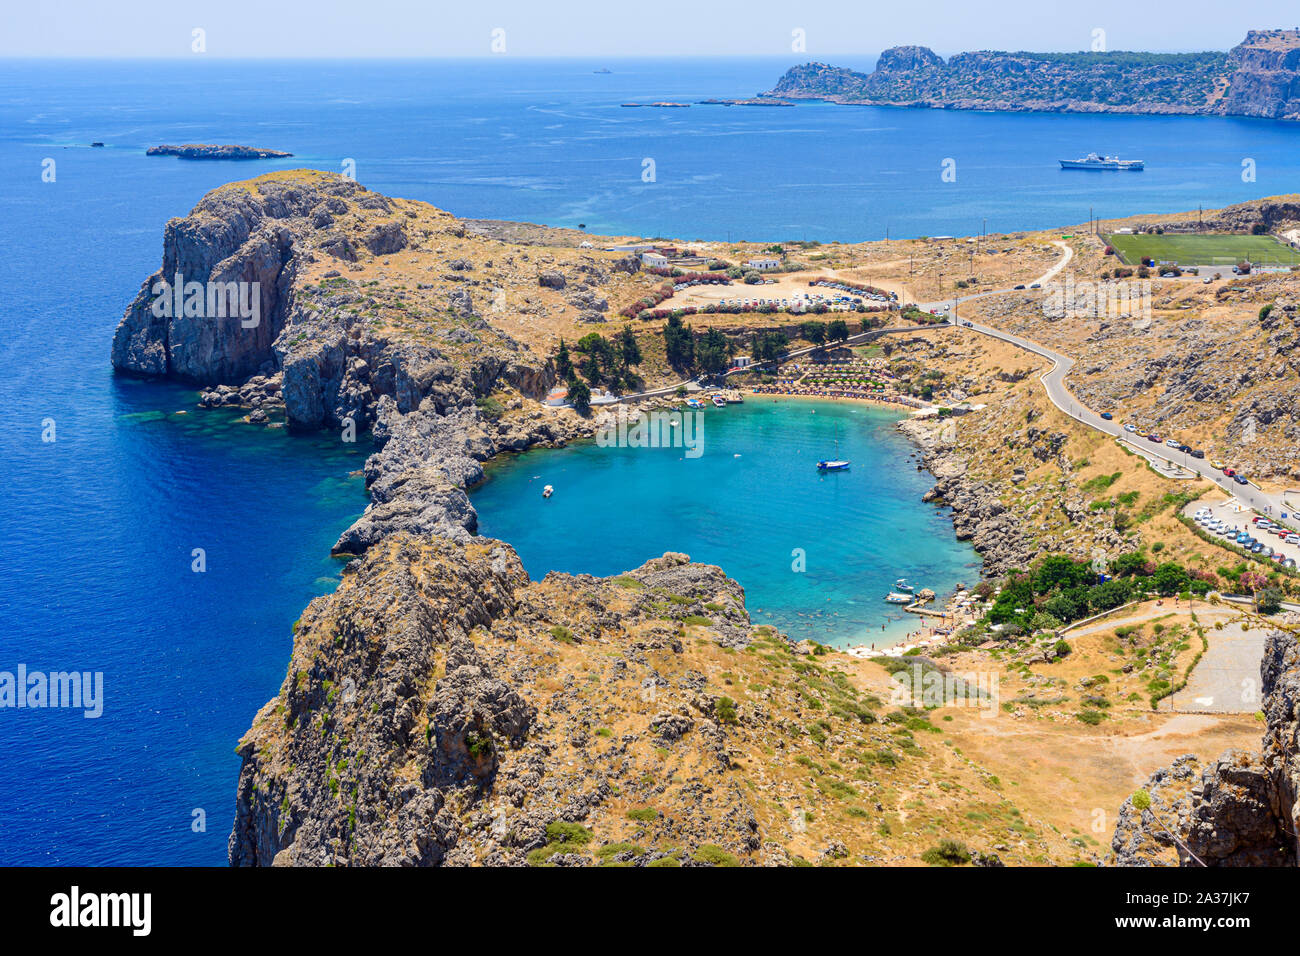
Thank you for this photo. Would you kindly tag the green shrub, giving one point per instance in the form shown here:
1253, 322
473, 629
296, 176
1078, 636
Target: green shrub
715, 856
947, 853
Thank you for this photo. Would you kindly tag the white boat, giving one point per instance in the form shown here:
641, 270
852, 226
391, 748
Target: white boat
719, 401
548, 491
1093, 161
893, 597
902, 585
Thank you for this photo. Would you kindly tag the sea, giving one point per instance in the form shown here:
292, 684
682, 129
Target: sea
170, 549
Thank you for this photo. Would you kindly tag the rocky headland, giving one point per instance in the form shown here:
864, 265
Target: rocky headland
323, 355
1259, 77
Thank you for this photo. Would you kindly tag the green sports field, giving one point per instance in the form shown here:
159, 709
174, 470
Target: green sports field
1204, 250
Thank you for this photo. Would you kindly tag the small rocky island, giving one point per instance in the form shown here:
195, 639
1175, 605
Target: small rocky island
205, 151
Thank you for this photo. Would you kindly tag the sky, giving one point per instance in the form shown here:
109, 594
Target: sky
612, 28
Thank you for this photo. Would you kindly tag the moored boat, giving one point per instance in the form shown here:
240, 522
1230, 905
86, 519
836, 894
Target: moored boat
902, 585
832, 465
548, 491
893, 597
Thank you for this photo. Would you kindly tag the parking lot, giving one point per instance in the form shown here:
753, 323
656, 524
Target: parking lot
1235, 519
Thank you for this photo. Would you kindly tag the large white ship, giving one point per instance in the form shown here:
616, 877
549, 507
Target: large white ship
1093, 161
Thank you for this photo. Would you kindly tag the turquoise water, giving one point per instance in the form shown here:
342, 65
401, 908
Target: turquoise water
859, 530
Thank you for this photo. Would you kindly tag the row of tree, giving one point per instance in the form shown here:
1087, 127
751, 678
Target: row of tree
599, 361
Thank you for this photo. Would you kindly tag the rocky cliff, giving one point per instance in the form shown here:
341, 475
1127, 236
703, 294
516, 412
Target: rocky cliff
1240, 810
1259, 77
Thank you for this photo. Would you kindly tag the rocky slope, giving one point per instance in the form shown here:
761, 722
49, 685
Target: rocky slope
1259, 77
1240, 810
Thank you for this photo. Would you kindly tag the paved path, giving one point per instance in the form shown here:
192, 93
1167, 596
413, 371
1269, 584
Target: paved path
1226, 680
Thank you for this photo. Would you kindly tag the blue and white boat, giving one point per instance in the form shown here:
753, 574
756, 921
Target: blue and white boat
1093, 161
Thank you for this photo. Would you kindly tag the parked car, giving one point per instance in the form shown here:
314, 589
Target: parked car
1172, 443
1154, 437
1215, 463
1240, 479
1107, 416
1197, 453
1130, 428
1229, 471
1021, 286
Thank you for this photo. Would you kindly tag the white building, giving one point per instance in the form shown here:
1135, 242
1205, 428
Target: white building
654, 259
762, 264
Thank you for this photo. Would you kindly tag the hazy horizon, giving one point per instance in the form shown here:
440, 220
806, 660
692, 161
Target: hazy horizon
587, 29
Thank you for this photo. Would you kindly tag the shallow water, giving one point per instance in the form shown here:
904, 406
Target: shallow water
751, 502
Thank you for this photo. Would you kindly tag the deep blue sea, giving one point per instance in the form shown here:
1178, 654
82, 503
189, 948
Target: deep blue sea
102, 522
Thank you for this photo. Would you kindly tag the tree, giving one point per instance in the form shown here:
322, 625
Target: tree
628, 346
679, 343
563, 364
1127, 565
711, 353
1108, 594
814, 332
1068, 605
1059, 571
1170, 579
837, 330
580, 396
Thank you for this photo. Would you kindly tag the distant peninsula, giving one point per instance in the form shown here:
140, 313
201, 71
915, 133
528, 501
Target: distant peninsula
1260, 77
205, 151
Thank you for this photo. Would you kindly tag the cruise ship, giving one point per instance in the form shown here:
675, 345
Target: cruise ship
1093, 161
